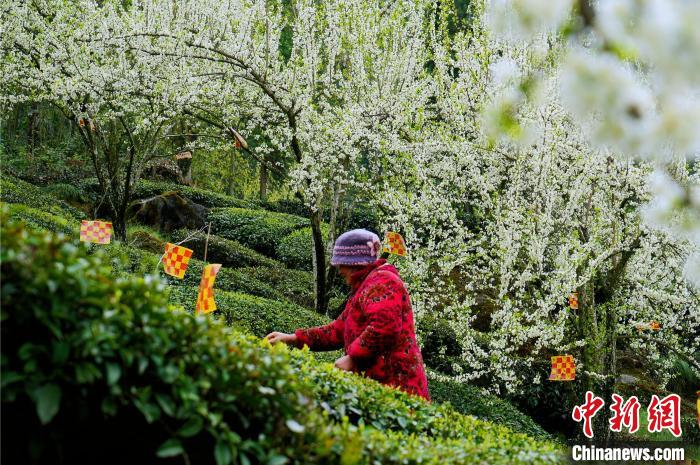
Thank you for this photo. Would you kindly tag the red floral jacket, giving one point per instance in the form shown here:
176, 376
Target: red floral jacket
376, 330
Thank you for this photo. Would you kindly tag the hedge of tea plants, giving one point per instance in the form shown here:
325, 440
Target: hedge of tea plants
100, 369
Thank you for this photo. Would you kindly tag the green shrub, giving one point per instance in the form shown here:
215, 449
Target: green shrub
145, 238
253, 314
399, 428
295, 285
228, 279
469, 400
145, 188
225, 251
36, 218
13, 190
97, 370
439, 344
295, 250
127, 259
290, 206
66, 192
257, 229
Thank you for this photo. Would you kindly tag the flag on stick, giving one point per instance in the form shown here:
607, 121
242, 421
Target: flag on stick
393, 243
98, 232
176, 259
205, 297
563, 368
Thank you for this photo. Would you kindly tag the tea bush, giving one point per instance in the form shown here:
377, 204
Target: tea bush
294, 285
225, 251
97, 369
145, 238
145, 188
14, 190
66, 192
127, 259
295, 250
469, 400
261, 281
255, 315
40, 219
257, 229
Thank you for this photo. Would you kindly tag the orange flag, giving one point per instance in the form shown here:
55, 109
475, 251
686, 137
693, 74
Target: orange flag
176, 259
98, 232
393, 243
205, 298
573, 300
563, 368
652, 325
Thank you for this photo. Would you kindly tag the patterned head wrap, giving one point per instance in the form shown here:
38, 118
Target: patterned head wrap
356, 247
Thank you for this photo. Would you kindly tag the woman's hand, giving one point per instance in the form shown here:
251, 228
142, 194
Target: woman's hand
345, 363
275, 337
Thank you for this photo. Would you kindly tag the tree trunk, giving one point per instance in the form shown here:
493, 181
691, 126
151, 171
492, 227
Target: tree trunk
336, 214
32, 130
591, 356
232, 177
119, 227
184, 165
263, 181
319, 262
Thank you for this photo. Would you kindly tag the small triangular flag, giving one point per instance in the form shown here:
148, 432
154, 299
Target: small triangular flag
394, 244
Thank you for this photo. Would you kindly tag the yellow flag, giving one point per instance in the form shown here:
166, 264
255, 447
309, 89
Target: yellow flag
563, 368
176, 260
205, 297
394, 244
98, 232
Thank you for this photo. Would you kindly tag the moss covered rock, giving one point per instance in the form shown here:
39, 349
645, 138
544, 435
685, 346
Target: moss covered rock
167, 212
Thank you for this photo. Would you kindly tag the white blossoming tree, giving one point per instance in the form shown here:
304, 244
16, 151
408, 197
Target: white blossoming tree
509, 207
69, 54
350, 76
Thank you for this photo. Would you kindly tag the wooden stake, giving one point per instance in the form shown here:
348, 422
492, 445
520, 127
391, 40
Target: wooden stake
206, 244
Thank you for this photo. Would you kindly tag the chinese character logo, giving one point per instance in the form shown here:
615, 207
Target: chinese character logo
587, 411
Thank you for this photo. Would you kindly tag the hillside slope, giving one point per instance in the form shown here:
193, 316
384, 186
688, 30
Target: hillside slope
256, 298
167, 383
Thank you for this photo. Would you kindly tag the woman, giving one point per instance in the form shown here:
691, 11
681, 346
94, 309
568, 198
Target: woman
376, 327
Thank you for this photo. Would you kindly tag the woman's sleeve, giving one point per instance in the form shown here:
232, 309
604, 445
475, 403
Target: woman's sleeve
382, 303
328, 337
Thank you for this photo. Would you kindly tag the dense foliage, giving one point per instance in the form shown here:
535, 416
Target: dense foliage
228, 252
525, 150
154, 375
257, 229
294, 250
13, 190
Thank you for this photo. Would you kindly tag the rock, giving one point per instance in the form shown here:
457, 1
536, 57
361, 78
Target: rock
162, 169
627, 379
168, 211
